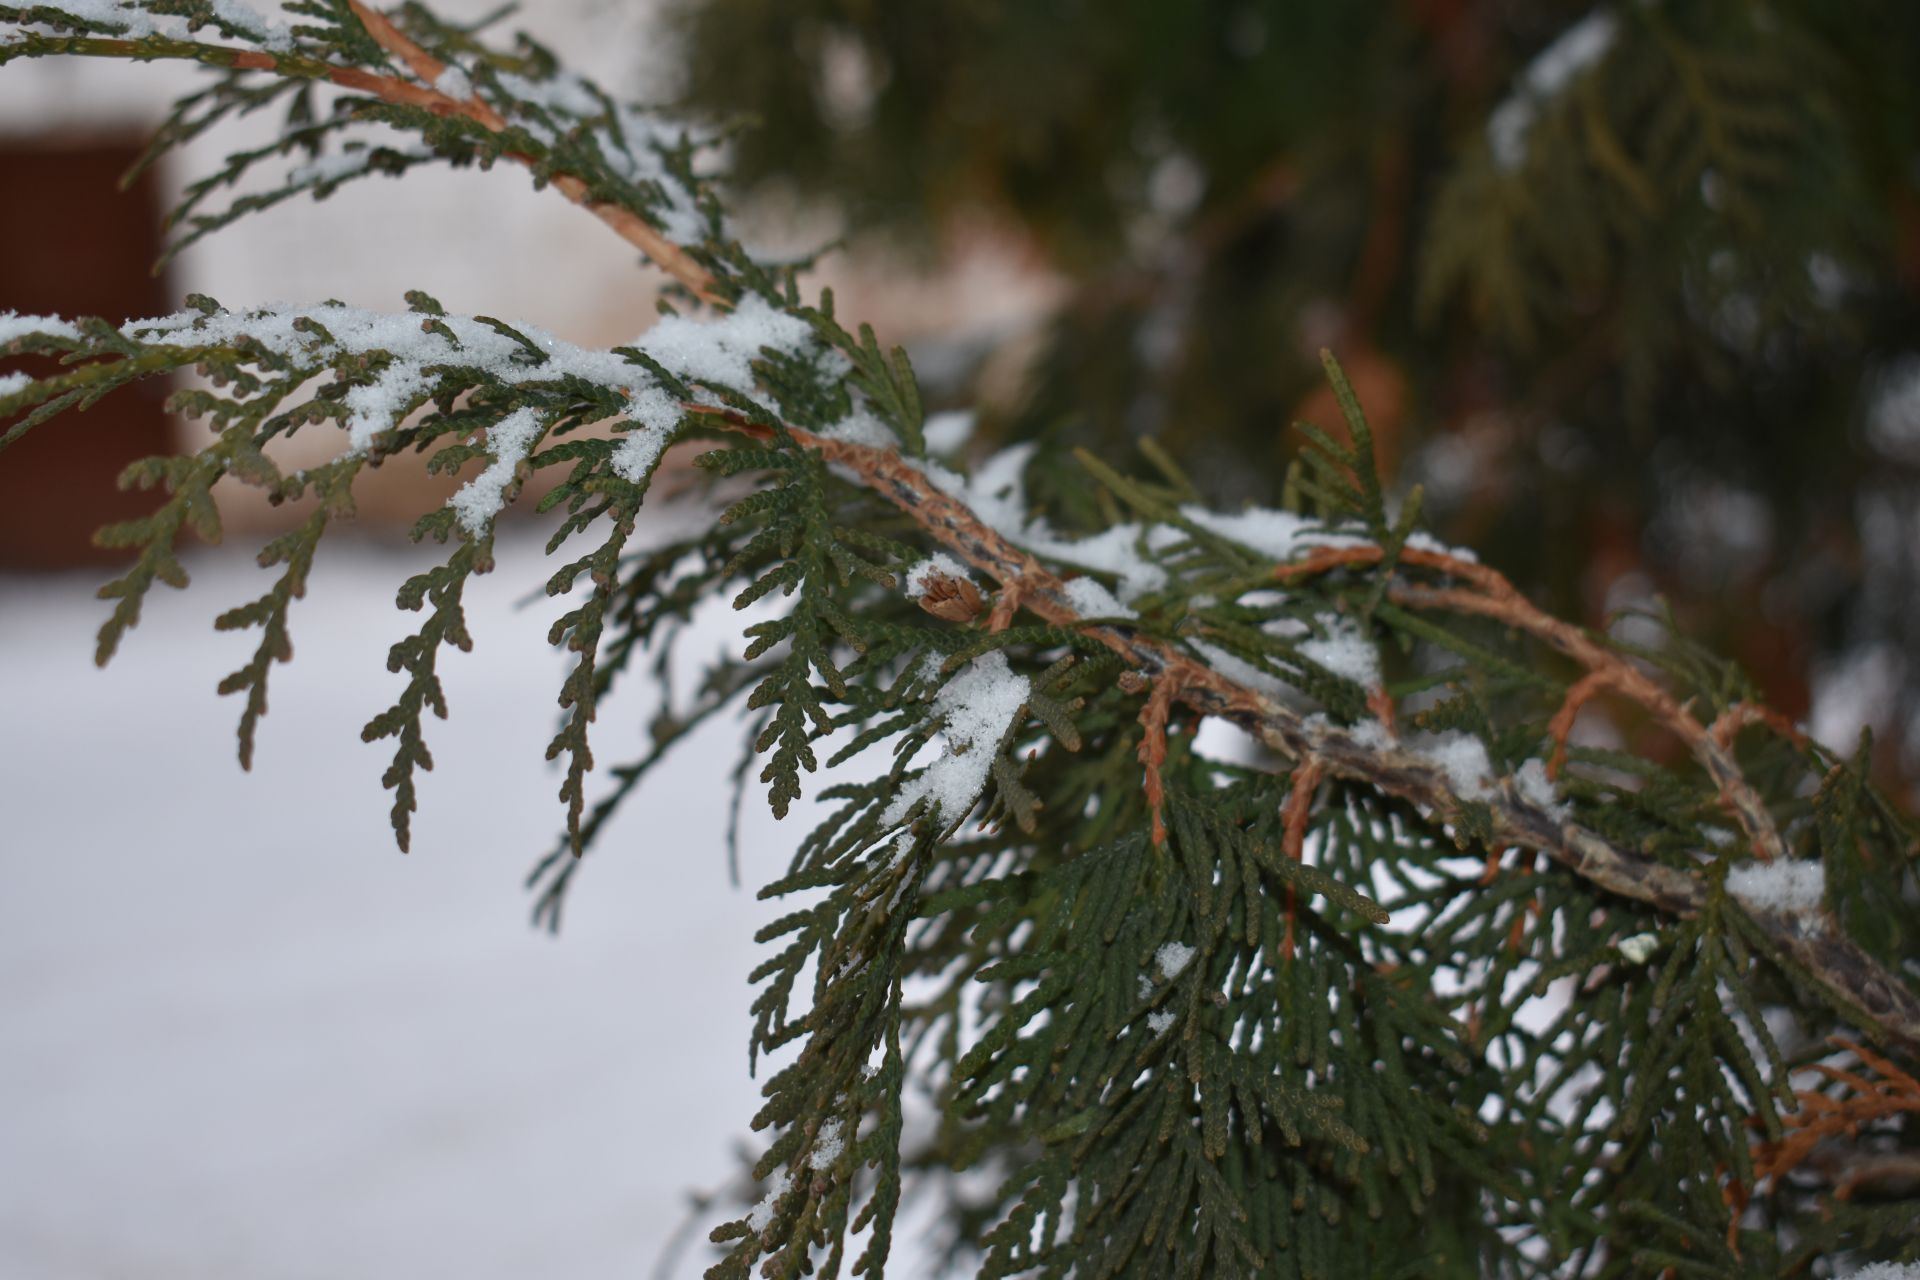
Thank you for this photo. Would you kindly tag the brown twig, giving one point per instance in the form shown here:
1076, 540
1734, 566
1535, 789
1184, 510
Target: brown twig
1304, 785
1560, 728
1741, 714
670, 257
1153, 748
629, 226
1871, 995
1493, 596
1820, 1118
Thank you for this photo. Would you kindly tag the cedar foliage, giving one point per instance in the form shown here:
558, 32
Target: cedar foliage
1415, 983
1647, 305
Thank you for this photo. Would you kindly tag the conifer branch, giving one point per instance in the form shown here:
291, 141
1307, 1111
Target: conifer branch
1887, 1006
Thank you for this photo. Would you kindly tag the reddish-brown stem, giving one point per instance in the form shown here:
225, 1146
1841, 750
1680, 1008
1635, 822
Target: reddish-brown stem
1153, 749
1560, 728
1300, 793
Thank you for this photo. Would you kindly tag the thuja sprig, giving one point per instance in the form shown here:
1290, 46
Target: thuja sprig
1202, 1013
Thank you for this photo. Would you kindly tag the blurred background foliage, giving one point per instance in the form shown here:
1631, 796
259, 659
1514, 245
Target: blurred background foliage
1632, 291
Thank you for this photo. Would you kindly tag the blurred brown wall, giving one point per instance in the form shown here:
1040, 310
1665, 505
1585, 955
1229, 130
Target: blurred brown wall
72, 243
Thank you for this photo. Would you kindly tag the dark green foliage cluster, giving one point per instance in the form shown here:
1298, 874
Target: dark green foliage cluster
1639, 303
1383, 999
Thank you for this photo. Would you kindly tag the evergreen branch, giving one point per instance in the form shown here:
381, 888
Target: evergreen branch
1863, 989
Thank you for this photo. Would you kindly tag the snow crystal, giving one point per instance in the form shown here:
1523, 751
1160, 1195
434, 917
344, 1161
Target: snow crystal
1345, 651
1537, 789
134, 23
330, 168
1464, 759
1886, 1271
271, 35
862, 427
12, 382
1371, 735
1171, 958
997, 496
978, 706
378, 404
638, 450
1091, 600
14, 325
1421, 541
1578, 49
1160, 1019
453, 82
1278, 535
937, 564
827, 1145
948, 433
1787, 888
762, 1216
1639, 948
509, 440
720, 352
657, 414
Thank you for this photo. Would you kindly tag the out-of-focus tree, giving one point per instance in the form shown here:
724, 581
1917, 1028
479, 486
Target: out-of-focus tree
1632, 289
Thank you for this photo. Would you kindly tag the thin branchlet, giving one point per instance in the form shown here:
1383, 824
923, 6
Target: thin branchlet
1412, 955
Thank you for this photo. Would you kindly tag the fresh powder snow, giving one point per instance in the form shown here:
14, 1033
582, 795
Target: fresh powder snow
762, 1216
1160, 1019
1091, 600
1171, 958
997, 495
977, 707
1463, 758
827, 1145
1344, 650
13, 325
1785, 888
1278, 535
241, 17
510, 440
948, 433
720, 352
453, 82
1537, 789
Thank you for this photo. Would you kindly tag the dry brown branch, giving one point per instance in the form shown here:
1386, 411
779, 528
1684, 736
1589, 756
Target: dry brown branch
1153, 748
1497, 598
628, 225
1560, 728
1741, 714
1821, 1119
1305, 784
1870, 995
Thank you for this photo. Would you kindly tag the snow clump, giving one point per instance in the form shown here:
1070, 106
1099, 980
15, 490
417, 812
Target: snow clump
978, 706
762, 1216
480, 499
1171, 958
827, 1145
1785, 888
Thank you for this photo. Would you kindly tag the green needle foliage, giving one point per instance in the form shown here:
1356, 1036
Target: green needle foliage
1226, 898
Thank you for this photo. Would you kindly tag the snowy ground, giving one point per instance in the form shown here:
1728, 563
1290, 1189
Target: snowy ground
242, 1036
